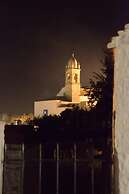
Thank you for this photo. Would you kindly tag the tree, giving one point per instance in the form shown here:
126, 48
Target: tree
103, 91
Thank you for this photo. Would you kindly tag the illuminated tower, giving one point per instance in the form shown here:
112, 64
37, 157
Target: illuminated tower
72, 80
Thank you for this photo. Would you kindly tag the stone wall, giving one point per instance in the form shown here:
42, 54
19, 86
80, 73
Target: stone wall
120, 46
13, 169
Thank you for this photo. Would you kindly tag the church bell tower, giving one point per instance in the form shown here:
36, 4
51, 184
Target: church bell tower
72, 80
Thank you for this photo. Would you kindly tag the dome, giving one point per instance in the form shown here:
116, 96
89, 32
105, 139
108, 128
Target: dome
72, 63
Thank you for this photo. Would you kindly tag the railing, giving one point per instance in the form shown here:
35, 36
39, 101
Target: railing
57, 168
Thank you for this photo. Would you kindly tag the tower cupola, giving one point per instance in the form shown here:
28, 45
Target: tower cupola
72, 63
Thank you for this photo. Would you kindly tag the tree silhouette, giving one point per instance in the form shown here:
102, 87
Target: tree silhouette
103, 91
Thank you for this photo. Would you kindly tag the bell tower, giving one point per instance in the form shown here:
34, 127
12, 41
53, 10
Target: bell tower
72, 80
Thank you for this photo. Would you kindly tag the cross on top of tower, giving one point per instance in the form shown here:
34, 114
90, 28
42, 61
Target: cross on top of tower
73, 55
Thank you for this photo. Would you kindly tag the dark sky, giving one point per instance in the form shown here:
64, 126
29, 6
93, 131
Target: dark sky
37, 39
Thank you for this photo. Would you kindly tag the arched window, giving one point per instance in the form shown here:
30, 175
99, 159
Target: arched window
76, 77
68, 77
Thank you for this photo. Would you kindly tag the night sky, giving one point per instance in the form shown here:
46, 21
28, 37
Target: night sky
37, 39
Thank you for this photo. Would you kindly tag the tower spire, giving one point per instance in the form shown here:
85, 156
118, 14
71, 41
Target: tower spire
73, 55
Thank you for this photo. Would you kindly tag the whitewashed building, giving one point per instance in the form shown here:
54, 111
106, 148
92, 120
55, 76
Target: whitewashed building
70, 95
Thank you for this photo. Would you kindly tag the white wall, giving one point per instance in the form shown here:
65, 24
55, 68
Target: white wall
53, 107
120, 44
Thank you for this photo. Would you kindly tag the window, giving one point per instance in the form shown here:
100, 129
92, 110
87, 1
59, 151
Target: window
45, 112
76, 78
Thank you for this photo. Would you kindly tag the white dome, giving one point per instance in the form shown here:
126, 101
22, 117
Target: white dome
72, 63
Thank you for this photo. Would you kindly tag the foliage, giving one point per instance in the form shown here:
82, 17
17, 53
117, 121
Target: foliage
103, 91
